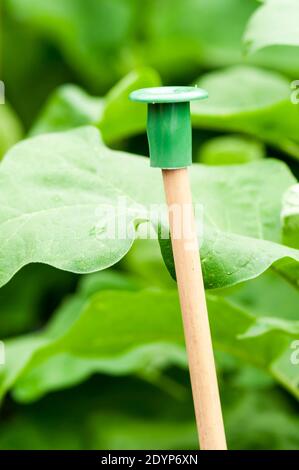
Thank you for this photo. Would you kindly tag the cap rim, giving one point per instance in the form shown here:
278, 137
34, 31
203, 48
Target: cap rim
168, 94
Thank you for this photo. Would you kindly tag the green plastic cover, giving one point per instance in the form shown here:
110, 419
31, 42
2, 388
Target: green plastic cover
169, 124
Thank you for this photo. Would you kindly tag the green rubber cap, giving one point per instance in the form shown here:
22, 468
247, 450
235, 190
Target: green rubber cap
169, 123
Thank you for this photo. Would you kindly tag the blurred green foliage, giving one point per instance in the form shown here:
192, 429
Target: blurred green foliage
97, 361
10, 129
230, 150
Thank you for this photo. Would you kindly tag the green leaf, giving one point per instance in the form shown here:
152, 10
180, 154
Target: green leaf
273, 23
274, 302
68, 107
129, 340
10, 128
268, 295
108, 280
56, 210
144, 261
253, 101
134, 332
230, 150
80, 158
121, 117
260, 341
114, 114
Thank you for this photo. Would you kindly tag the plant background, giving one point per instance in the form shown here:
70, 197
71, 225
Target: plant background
60, 61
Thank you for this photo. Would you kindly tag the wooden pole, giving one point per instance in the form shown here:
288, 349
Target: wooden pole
194, 310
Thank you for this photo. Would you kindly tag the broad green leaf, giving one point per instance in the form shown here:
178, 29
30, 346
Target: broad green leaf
129, 341
272, 300
253, 101
68, 107
144, 261
135, 332
56, 210
120, 117
285, 367
114, 114
230, 150
268, 295
290, 216
63, 370
274, 23
262, 342
108, 280
268, 324
10, 129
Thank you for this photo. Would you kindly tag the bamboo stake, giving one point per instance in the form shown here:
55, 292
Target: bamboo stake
170, 142
194, 312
